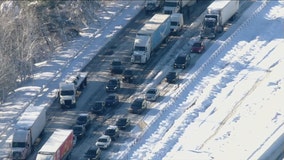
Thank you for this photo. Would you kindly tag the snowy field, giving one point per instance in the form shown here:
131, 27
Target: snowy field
228, 106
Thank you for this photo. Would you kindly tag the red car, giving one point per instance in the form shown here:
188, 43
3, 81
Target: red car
197, 47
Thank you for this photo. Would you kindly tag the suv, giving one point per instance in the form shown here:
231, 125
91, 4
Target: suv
112, 131
103, 142
79, 131
152, 94
122, 123
93, 153
84, 119
128, 76
113, 85
116, 67
172, 77
98, 107
182, 61
112, 100
138, 106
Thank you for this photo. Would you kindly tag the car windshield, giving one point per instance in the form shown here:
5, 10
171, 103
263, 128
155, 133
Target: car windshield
77, 129
180, 59
151, 91
110, 131
196, 45
121, 121
112, 82
102, 140
82, 118
98, 105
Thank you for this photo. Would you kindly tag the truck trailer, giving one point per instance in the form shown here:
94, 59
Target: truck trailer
27, 131
217, 14
71, 89
150, 36
58, 146
176, 6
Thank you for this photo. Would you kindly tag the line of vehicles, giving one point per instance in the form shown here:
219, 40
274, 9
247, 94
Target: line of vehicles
155, 31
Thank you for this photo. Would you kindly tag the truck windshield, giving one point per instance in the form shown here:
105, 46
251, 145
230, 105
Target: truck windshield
174, 23
18, 144
171, 4
66, 93
139, 48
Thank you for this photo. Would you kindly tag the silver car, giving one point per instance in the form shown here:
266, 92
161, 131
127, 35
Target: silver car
152, 94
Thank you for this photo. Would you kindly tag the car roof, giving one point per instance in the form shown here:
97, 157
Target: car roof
104, 136
112, 127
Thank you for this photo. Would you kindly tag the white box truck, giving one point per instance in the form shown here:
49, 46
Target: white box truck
176, 6
27, 131
217, 14
71, 89
58, 146
149, 37
153, 5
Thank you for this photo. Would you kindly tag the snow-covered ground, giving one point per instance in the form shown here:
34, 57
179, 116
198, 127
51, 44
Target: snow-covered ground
228, 106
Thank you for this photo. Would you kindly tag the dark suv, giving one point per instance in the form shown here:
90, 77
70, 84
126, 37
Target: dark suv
98, 107
84, 119
113, 85
182, 61
79, 131
172, 77
138, 106
112, 131
128, 76
116, 67
112, 100
93, 153
122, 123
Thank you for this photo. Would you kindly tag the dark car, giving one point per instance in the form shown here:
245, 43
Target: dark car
79, 131
128, 76
112, 100
116, 67
93, 153
98, 107
182, 61
197, 47
138, 106
112, 131
113, 85
122, 123
84, 119
172, 77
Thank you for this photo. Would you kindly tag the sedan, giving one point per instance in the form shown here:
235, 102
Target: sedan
152, 94
112, 100
98, 107
122, 123
138, 106
103, 142
197, 47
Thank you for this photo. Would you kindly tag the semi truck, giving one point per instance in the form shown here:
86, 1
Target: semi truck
71, 89
149, 37
58, 146
176, 22
153, 5
177, 6
217, 14
27, 132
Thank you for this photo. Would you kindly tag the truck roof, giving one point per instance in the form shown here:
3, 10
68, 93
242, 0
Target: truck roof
159, 18
29, 117
148, 29
218, 4
141, 40
54, 142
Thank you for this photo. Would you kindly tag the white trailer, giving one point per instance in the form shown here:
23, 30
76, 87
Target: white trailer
153, 5
58, 146
71, 89
149, 37
27, 131
176, 6
218, 13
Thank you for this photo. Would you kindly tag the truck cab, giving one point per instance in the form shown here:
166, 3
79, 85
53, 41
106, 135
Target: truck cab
67, 95
21, 144
176, 22
172, 6
142, 49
